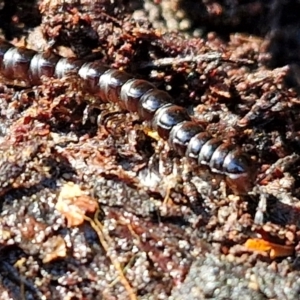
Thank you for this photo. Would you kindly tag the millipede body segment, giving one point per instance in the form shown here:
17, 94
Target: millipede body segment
172, 122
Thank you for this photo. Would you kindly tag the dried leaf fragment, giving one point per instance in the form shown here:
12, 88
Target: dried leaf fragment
55, 247
73, 203
274, 250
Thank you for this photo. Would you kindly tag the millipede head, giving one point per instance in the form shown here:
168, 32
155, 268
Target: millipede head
236, 162
240, 171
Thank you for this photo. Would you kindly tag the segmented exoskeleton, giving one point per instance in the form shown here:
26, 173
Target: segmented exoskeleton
171, 122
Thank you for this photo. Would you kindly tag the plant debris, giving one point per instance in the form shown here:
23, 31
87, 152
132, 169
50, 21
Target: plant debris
95, 206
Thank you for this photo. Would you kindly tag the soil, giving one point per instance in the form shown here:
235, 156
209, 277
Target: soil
93, 206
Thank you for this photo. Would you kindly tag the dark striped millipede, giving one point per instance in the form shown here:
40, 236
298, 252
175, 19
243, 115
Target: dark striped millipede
171, 122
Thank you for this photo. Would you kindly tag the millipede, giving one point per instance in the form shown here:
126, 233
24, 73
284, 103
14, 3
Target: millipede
170, 121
